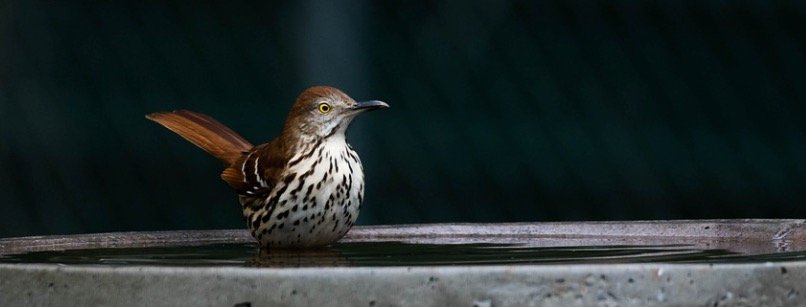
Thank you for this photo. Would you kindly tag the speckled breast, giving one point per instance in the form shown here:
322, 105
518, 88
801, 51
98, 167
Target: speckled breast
316, 203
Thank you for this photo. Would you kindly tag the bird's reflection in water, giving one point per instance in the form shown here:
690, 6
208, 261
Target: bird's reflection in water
295, 258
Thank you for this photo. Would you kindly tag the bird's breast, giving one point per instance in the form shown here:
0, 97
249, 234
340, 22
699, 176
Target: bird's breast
319, 205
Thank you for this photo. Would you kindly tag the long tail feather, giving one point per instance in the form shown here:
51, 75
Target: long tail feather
204, 132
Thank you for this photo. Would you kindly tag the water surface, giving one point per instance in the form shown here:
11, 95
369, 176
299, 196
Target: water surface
390, 254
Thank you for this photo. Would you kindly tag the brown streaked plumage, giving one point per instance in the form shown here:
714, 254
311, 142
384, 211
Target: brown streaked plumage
305, 187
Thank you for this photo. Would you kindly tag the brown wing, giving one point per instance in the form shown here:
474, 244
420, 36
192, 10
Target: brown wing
258, 170
251, 170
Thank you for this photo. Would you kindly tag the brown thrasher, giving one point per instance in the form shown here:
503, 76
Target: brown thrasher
302, 189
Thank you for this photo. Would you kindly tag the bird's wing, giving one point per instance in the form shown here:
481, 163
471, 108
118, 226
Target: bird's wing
258, 170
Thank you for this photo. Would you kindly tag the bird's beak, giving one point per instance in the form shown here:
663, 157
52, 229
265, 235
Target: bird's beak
370, 105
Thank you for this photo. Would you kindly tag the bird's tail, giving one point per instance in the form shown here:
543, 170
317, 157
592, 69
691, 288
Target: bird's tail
205, 132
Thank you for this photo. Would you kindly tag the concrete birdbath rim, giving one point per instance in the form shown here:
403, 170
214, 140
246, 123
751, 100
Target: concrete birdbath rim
755, 283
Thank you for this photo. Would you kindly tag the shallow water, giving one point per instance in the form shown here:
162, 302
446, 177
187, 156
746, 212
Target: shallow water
391, 254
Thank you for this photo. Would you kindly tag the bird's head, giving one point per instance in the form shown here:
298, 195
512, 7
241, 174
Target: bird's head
323, 111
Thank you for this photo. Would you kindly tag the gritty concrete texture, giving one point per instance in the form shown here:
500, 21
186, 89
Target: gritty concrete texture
642, 284
780, 284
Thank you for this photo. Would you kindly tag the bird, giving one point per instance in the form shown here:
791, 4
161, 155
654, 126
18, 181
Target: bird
304, 188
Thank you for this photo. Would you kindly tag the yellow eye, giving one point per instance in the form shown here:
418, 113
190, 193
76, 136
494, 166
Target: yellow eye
324, 107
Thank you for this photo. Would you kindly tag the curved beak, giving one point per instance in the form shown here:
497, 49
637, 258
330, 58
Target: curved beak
370, 105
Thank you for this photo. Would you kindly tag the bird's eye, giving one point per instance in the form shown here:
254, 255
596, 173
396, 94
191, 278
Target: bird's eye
324, 107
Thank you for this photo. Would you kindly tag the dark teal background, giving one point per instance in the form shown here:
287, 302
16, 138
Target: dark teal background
502, 111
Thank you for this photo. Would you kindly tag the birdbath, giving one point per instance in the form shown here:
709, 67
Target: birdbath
638, 263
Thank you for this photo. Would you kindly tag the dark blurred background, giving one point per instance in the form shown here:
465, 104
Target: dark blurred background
502, 111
